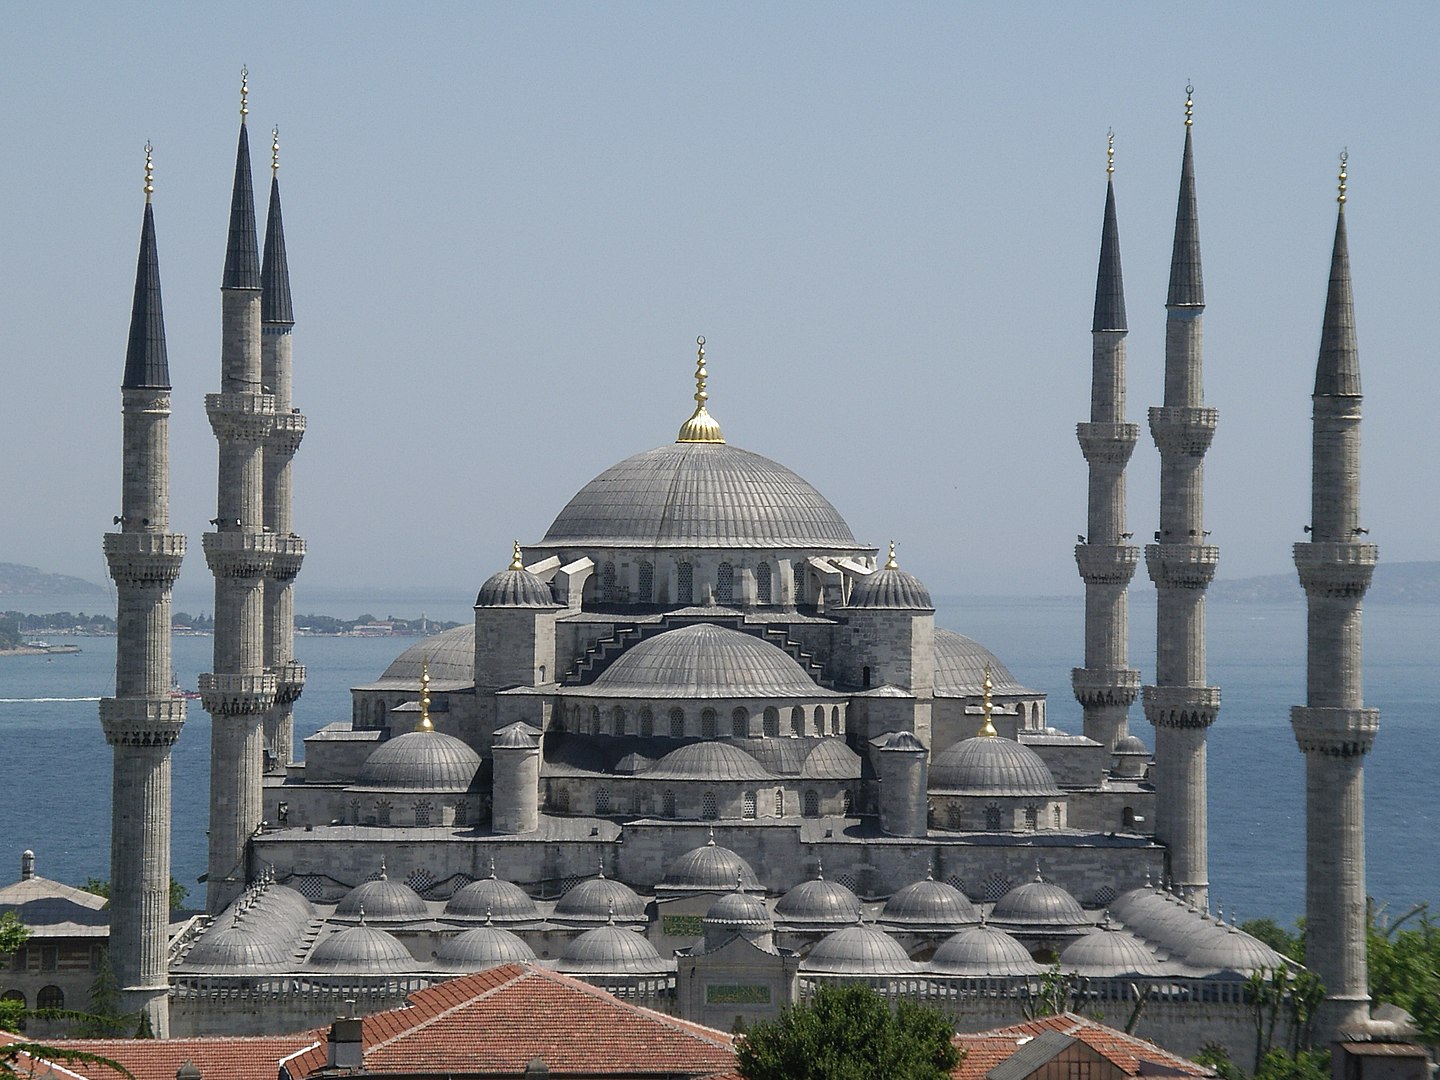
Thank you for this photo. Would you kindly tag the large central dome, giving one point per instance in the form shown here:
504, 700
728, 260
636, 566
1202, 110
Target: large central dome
699, 495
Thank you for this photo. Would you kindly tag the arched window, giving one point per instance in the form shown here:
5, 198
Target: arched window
739, 723
835, 720
725, 584
819, 719
799, 570
617, 717
992, 818
50, 997
747, 805
772, 722
779, 802
812, 803
607, 583
797, 721
762, 583
562, 800
685, 584
645, 581
847, 802
1057, 817
1127, 818
422, 813
707, 724
647, 723
667, 804
865, 677
708, 809
462, 812
677, 723
382, 812
952, 817
1032, 818
13, 995
602, 801
594, 719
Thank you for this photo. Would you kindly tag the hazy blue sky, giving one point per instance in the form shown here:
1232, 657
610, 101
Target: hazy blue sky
508, 222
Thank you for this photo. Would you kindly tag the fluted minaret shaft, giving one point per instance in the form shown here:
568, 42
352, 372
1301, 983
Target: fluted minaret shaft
240, 691
1106, 686
143, 720
1181, 564
1334, 728
277, 320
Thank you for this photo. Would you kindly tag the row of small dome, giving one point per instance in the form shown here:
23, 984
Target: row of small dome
761, 761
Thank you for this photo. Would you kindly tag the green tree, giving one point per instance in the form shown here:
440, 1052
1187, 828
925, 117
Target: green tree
101, 887
1405, 965
850, 1033
104, 1018
1286, 943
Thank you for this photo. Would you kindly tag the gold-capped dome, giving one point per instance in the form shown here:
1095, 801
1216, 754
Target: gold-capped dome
891, 564
517, 562
424, 723
701, 427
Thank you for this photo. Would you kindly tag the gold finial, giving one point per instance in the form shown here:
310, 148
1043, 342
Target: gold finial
986, 705
517, 563
425, 724
274, 149
891, 564
1344, 174
1189, 103
244, 93
149, 170
701, 427
1110, 152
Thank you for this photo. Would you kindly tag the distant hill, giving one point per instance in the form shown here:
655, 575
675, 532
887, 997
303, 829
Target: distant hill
1395, 583
17, 580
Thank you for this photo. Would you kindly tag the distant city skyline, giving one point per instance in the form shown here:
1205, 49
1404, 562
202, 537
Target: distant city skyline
506, 226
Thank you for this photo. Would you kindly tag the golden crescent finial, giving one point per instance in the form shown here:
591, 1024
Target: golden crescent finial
1344, 175
244, 93
517, 562
701, 427
1110, 152
891, 564
986, 705
149, 170
1189, 103
425, 724
274, 149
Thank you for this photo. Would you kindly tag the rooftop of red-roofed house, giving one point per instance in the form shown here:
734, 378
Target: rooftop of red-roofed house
989, 1054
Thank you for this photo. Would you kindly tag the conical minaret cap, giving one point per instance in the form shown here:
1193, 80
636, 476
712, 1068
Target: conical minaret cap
275, 307
1109, 284
242, 252
1338, 372
146, 363
1187, 285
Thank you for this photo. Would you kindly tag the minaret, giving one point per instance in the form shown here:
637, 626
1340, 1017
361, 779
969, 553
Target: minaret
1334, 729
239, 692
1106, 686
142, 721
1181, 564
277, 319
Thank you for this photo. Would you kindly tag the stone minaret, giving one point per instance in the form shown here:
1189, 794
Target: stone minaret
142, 721
277, 319
1106, 686
239, 692
1181, 563
1334, 729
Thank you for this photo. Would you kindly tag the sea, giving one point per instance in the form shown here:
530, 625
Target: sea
56, 797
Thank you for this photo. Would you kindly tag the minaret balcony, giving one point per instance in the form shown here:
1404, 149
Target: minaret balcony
289, 554
1181, 566
285, 436
144, 401
237, 695
144, 559
1336, 569
1105, 686
1181, 706
136, 721
1183, 429
1107, 564
289, 682
241, 417
1334, 732
1107, 444
239, 554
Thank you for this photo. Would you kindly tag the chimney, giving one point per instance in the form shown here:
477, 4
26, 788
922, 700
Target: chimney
347, 1044
27, 865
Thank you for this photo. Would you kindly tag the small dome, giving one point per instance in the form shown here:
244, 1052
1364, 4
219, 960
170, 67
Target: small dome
781, 757
1136, 905
930, 903
891, 588
1162, 919
608, 950
991, 765
739, 909
503, 901
859, 950
382, 900
450, 654
818, 901
420, 761
706, 661
707, 761
1131, 758
1107, 953
514, 588
280, 902
983, 951
960, 668
361, 950
1038, 904
1227, 948
480, 948
246, 946
831, 760
708, 868
597, 899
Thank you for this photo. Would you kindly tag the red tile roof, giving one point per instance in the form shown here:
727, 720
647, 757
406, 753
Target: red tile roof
217, 1058
986, 1049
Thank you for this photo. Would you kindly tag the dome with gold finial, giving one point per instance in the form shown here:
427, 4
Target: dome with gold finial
420, 760
515, 587
892, 588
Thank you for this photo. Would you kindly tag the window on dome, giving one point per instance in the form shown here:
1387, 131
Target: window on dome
1032, 818
677, 723
772, 722
953, 819
762, 583
50, 997
355, 811
618, 717
685, 583
562, 800
797, 721
645, 581
1127, 818
707, 724
725, 584
799, 570
422, 813
708, 809
992, 818
607, 583
819, 719
835, 720
594, 719
739, 723
602, 801
812, 803
382, 812
847, 801
1057, 817
779, 802
462, 812
747, 805
647, 723
667, 804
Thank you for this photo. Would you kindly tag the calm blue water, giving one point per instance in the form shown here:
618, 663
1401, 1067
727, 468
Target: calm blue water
59, 766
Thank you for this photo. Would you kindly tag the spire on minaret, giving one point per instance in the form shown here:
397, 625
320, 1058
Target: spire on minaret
275, 307
242, 253
1338, 372
146, 364
1187, 286
1109, 285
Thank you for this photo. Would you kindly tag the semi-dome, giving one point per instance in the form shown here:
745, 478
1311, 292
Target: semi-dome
831, 760
515, 587
1108, 953
361, 950
382, 900
503, 901
818, 901
699, 495
991, 765
708, 868
450, 654
245, 946
859, 950
705, 661
1038, 904
892, 588
480, 948
598, 899
960, 667
612, 950
707, 761
420, 761
980, 951
930, 903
